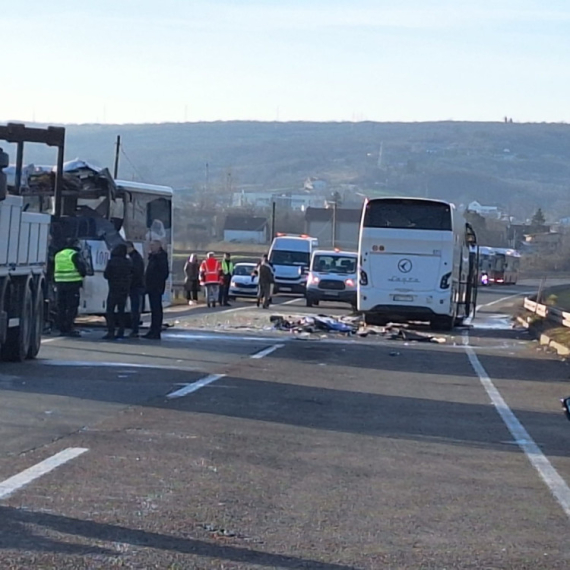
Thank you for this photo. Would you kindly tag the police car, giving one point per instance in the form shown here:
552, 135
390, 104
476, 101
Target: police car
332, 277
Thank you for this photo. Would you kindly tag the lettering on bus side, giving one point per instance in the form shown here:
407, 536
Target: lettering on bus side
396, 279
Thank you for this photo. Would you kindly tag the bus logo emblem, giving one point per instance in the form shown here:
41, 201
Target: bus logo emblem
405, 265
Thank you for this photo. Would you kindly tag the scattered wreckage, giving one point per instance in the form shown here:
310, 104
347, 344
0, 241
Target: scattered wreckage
310, 326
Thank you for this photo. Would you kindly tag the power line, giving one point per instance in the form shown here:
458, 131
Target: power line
136, 170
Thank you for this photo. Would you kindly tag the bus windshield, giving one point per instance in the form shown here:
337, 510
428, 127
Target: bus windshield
408, 214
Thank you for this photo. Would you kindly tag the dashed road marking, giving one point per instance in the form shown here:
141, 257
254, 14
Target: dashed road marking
267, 351
558, 487
189, 388
13, 484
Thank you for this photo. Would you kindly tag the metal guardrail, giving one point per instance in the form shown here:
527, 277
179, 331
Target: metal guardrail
547, 312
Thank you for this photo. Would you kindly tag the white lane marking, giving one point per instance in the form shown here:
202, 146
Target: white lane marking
22, 479
218, 336
189, 388
228, 311
291, 302
504, 299
45, 340
267, 351
558, 487
126, 365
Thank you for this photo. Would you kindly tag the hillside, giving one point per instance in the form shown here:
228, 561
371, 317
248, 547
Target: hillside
516, 166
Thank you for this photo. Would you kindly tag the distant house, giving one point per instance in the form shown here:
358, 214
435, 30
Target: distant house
542, 243
319, 223
315, 184
485, 211
245, 229
517, 235
299, 201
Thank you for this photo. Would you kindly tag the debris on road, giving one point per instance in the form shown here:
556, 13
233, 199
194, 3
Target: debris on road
306, 326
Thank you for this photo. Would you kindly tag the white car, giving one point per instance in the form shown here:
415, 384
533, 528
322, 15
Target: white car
242, 283
332, 277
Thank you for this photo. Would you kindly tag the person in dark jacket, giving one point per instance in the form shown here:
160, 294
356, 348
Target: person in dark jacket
192, 279
119, 274
266, 274
156, 274
136, 294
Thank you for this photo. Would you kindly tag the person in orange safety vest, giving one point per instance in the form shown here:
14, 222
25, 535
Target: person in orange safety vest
210, 274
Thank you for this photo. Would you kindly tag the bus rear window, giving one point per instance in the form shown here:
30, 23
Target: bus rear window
408, 214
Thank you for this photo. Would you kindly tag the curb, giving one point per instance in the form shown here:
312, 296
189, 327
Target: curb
545, 340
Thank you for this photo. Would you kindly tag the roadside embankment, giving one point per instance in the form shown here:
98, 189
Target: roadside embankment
548, 319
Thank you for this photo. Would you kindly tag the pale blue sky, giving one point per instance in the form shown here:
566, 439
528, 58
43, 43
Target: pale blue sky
120, 61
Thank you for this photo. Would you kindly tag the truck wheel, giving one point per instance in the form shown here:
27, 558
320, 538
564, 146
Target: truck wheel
17, 343
4, 316
38, 320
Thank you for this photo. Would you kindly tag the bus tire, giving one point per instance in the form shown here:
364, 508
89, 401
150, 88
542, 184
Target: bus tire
442, 323
375, 320
38, 319
17, 344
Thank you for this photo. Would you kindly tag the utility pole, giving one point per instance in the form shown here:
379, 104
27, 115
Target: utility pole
273, 208
117, 150
335, 204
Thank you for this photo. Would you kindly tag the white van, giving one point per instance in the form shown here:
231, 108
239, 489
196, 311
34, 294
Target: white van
332, 277
291, 257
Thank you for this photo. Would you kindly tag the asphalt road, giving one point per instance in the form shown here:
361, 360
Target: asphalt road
228, 446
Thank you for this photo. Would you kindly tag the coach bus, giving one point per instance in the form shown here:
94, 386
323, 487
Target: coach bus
418, 262
141, 213
505, 268
100, 214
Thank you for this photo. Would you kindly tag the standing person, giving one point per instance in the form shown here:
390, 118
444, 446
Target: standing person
69, 271
119, 275
210, 272
136, 294
192, 279
227, 272
266, 279
156, 274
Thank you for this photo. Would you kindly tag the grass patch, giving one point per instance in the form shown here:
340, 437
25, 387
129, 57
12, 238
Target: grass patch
560, 334
562, 299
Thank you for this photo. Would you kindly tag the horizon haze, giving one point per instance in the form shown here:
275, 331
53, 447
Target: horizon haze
316, 60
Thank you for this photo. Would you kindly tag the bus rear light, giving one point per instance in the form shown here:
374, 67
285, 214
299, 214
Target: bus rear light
363, 278
444, 283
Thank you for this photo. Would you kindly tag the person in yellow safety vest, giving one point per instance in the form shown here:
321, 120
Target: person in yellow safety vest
69, 271
226, 279
210, 272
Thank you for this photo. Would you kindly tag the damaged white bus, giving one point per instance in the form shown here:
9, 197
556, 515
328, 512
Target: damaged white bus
418, 262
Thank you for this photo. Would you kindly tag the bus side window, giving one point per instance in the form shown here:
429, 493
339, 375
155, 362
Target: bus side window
158, 221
